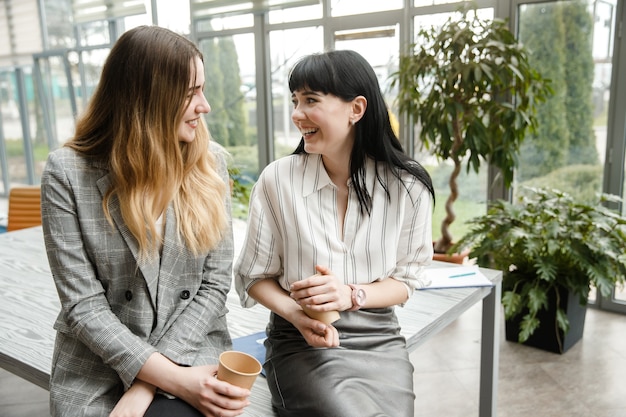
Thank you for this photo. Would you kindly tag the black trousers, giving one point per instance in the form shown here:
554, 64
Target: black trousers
162, 406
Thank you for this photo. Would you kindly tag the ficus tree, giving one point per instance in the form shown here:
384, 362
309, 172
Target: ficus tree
472, 93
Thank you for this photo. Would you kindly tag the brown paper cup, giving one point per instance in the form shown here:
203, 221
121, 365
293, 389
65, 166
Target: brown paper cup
238, 368
326, 317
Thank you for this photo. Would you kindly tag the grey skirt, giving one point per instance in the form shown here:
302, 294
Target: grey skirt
368, 375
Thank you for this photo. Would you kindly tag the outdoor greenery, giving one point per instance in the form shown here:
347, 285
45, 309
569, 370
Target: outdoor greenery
564, 134
471, 90
240, 193
471, 200
15, 148
227, 121
547, 240
580, 181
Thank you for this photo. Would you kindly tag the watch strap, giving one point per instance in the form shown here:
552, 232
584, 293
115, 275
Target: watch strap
356, 305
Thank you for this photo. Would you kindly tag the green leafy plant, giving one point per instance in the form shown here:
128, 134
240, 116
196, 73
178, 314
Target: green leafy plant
470, 89
240, 192
548, 240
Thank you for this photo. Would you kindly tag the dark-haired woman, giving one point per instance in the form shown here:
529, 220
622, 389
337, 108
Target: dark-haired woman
342, 224
136, 220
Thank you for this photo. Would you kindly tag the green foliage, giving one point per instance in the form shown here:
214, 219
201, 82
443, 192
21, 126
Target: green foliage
580, 181
472, 186
240, 189
546, 241
217, 120
246, 160
469, 86
470, 202
15, 149
465, 210
579, 71
233, 98
564, 135
242, 180
227, 120
546, 148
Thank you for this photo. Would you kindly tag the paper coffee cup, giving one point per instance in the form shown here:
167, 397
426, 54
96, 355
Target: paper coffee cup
238, 368
326, 317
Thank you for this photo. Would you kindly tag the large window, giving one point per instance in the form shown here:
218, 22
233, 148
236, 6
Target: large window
380, 46
352, 7
572, 148
472, 187
568, 150
286, 47
24, 146
231, 91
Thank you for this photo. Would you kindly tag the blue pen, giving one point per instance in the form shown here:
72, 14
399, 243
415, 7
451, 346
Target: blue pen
462, 275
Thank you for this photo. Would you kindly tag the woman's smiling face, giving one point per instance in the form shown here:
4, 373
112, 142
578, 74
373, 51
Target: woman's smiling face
324, 120
196, 103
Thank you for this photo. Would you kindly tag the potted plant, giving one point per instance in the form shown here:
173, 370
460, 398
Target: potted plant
469, 88
551, 249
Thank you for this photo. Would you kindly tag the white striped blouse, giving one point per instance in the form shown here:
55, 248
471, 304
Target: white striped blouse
293, 225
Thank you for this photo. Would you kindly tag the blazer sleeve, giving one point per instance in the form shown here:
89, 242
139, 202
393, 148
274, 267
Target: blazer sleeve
86, 312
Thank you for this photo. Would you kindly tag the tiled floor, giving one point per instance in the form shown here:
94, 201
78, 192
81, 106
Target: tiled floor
587, 381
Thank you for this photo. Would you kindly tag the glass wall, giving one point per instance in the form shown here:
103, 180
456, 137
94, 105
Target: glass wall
472, 187
353, 7
380, 46
286, 47
569, 149
13, 136
572, 149
23, 135
230, 89
580, 146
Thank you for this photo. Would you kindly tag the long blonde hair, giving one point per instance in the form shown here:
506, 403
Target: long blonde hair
132, 122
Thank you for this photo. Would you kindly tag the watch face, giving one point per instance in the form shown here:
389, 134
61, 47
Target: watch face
360, 296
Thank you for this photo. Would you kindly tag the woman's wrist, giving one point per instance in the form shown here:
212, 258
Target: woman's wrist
138, 384
357, 297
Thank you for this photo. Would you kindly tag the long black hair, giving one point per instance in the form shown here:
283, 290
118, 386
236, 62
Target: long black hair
346, 74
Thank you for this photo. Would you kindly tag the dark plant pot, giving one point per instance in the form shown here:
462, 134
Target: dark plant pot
545, 337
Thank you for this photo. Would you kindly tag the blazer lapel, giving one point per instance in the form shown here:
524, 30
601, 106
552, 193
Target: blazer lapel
149, 267
173, 276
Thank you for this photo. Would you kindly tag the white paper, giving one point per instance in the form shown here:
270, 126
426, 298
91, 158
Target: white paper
455, 277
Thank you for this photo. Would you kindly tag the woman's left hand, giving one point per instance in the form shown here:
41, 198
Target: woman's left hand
322, 292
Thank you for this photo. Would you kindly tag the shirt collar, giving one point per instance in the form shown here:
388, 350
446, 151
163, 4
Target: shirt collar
316, 177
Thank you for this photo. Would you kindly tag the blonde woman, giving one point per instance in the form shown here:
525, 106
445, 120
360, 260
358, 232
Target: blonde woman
136, 218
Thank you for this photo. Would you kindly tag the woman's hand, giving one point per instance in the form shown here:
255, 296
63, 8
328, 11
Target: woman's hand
322, 292
211, 396
316, 333
135, 401
197, 385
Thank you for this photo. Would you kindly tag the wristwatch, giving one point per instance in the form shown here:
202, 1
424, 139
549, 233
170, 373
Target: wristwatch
358, 297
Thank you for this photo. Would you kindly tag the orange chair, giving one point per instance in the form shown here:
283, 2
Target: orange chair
24, 207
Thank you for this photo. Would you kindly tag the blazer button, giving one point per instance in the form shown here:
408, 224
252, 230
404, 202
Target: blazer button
184, 294
129, 295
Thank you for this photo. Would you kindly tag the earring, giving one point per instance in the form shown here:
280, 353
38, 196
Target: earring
352, 122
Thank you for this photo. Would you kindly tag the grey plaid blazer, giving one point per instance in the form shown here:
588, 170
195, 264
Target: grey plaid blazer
116, 311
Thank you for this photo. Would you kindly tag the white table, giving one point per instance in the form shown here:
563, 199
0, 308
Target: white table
29, 306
